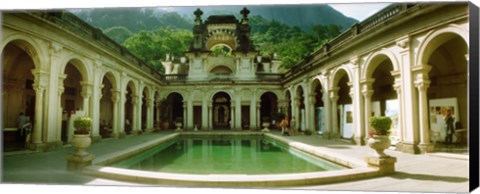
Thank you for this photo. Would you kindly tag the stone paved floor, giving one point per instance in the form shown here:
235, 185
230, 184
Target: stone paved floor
437, 172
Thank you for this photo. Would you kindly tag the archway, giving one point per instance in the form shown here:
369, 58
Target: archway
72, 100
106, 106
301, 113
144, 110
221, 111
448, 86
18, 93
175, 109
129, 108
269, 108
384, 100
318, 107
344, 113
288, 98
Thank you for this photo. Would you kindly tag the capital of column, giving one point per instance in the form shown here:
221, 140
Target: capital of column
333, 94
115, 96
134, 99
149, 102
39, 88
312, 99
86, 89
422, 85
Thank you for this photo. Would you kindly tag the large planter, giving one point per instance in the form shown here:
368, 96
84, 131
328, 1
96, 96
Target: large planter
265, 126
165, 125
80, 142
379, 143
179, 126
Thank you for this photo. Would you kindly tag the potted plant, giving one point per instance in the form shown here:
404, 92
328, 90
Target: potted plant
379, 139
81, 134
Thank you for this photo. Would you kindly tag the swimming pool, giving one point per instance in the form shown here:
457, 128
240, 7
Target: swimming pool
102, 167
227, 154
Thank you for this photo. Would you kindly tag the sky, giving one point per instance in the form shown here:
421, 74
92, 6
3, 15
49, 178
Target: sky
351, 8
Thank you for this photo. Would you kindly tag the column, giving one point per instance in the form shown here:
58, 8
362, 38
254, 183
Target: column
86, 94
311, 101
422, 86
210, 115
189, 114
367, 93
334, 98
238, 113
38, 122
296, 113
232, 116
134, 121
116, 115
253, 114
398, 88
184, 121
59, 106
258, 119
150, 105
205, 113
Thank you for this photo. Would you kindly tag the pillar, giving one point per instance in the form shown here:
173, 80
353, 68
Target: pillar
205, 113
210, 115
422, 86
398, 88
189, 114
311, 101
149, 106
232, 116
116, 116
86, 94
367, 93
134, 122
253, 114
334, 109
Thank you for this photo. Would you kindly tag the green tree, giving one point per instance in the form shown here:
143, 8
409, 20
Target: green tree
152, 46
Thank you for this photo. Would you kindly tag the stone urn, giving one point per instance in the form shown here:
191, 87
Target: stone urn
179, 126
80, 142
379, 143
265, 126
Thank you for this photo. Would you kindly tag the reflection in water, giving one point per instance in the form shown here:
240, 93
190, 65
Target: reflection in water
225, 155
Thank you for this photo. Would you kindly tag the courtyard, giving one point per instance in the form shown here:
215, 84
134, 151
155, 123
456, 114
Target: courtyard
412, 172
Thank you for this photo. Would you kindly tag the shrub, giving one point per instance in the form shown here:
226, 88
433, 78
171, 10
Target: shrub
82, 125
381, 125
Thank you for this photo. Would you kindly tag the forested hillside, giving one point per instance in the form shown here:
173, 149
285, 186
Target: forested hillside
292, 32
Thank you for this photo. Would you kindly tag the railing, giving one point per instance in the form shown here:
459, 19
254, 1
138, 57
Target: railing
220, 77
269, 76
175, 77
71, 22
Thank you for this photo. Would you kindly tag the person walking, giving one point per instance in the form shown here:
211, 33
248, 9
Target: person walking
284, 125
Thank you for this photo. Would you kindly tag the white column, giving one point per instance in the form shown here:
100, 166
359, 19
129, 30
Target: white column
311, 104
210, 115
150, 108
184, 106
94, 112
59, 105
253, 113
367, 93
238, 113
116, 116
258, 119
86, 94
232, 115
334, 98
423, 111
189, 114
398, 88
205, 113
134, 122
38, 122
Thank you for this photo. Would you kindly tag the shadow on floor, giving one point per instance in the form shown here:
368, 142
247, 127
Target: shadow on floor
427, 177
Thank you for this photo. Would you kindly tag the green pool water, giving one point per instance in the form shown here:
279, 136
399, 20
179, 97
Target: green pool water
225, 155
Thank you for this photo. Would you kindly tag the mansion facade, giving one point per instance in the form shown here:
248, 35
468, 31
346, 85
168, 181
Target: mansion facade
408, 62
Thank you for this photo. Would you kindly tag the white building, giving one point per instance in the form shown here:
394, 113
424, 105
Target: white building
409, 62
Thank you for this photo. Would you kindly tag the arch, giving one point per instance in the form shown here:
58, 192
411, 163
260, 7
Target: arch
113, 77
130, 83
81, 66
376, 58
221, 36
337, 75
28, 44
212, 95
315, 82
435, 38
221, 69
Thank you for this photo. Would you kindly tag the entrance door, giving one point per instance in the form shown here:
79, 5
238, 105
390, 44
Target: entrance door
221, 111
347, 121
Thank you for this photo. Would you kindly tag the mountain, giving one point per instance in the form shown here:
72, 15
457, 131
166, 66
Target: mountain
301, 15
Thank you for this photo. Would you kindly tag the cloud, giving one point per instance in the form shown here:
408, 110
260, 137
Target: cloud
359, 11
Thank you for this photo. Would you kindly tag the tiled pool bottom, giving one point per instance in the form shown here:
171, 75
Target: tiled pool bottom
357, 169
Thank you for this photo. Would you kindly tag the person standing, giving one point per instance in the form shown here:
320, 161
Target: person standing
293, 123
21, 121
449, 127
284, 125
